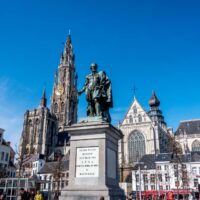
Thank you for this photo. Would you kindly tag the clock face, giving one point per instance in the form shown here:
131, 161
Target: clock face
59, 90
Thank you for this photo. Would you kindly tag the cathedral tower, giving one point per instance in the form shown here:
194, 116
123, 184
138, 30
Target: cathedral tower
155, 113
64, 98
39, 130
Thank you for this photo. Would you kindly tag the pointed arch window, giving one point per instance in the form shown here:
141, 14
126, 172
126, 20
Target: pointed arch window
62, 107
55, 107
36, 130
30, 134
29, 131
37, 122
139, 118
30, 122
130, 119
34, 136
136, 146
196, 145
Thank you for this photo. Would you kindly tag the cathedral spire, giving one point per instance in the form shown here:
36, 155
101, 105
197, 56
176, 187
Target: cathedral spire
43, 100
68, 56
64, 99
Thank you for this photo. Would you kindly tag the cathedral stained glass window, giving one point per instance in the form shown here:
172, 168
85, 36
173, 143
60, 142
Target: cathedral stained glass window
136, 146
196, 145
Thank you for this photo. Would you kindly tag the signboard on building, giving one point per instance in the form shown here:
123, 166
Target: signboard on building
87, 162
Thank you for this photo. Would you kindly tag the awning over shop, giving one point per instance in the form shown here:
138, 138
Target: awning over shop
181, 191
161, 192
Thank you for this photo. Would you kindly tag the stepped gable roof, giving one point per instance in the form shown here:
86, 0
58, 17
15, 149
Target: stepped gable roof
147, 162
50, 167
188, 127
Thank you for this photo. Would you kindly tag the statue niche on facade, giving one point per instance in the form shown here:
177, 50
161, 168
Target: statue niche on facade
98, 93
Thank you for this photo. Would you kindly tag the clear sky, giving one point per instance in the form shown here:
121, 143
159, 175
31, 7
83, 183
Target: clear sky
147, 44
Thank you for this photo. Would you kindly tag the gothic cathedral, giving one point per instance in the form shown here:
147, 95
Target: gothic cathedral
145, 132
45, 130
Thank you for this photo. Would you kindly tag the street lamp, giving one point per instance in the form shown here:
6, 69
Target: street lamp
140, 190
139, 169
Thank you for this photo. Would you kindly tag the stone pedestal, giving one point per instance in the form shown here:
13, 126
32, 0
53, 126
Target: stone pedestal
93, 168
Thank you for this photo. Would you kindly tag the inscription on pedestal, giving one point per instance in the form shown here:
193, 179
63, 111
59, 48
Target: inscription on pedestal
87, 162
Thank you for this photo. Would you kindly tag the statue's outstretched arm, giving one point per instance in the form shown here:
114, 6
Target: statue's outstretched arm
84, 87
81, 91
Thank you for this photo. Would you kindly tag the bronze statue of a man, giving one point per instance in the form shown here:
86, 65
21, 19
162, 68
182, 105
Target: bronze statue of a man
98, 92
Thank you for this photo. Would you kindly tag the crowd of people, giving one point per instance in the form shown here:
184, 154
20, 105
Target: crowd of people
35, 196
30, 195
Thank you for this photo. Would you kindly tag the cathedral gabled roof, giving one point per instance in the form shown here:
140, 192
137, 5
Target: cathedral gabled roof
188, 127
135, 113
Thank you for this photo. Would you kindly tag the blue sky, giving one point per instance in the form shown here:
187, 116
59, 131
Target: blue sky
149, 44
